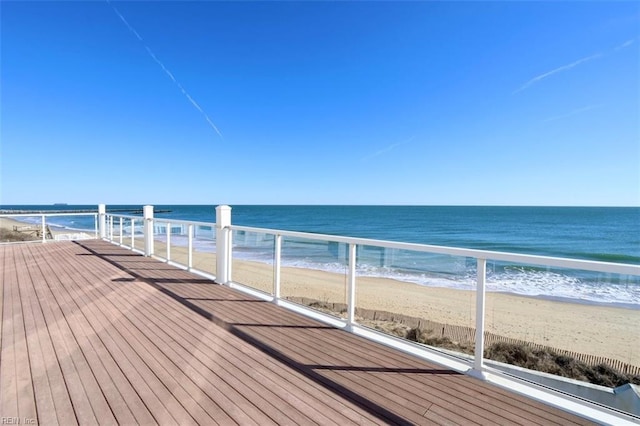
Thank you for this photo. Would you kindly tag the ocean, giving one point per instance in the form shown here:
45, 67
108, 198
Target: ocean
610, 234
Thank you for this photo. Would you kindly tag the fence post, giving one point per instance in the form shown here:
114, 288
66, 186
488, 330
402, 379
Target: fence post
168, 241
147, 212
223, 244
44, 229
102, 222
478, 364
277, 267
190, 246
351, 287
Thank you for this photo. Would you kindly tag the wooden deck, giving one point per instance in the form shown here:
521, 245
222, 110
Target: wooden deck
92, 333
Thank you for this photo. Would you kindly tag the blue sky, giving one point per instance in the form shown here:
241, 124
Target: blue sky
467, 103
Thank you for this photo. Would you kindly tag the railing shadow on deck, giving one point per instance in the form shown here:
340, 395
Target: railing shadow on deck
309, 371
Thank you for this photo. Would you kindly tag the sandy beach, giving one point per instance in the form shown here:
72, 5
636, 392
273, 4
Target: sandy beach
7, 223
11, 225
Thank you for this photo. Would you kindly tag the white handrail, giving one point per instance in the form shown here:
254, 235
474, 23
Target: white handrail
10, 215
585, 265
124, 216
185, 222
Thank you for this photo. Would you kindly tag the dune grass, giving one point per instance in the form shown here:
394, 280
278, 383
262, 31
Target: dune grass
7, 235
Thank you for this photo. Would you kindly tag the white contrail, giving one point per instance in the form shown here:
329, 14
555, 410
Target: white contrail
625, 44
572, 113
169, 73
387, 149
557, 70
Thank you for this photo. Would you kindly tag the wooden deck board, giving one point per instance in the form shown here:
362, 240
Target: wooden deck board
384, 357
251, 368
157, 275
8, 394
52, 374
265, 404
376, 380
214, 349
122, 398
83, 390
92, 333
130, 352
43, 397
336, 353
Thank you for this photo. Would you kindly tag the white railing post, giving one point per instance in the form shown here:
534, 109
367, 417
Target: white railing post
276, 268
44, 229
102, 220
147, 212
351, 287
168, 241
120, 230
133, 232
190, 246
478, 363
223, 244
95, 224
111, 228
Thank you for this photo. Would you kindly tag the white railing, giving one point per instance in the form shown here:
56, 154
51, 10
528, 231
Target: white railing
224, 258
41, 227
114, 228
125, 230
121, 229
481, 256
